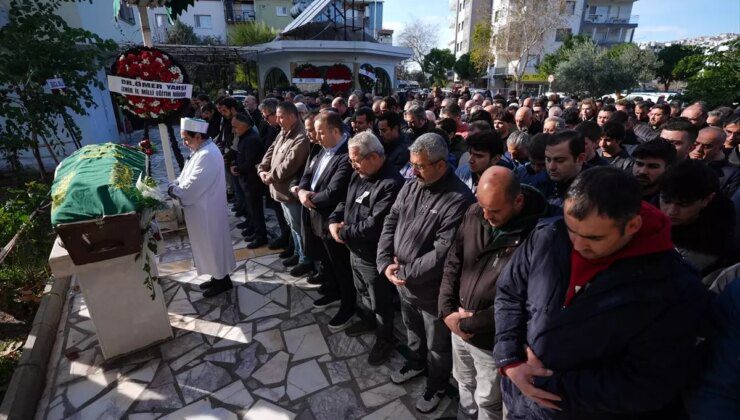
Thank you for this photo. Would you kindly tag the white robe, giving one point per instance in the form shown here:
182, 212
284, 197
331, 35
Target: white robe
201, 188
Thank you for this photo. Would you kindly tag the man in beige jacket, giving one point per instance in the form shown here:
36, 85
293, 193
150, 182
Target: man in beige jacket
282, 165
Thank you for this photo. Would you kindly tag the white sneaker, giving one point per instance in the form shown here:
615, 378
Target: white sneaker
404, 374
429, 401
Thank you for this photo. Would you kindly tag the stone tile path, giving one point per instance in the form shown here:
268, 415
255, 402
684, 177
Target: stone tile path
259, 352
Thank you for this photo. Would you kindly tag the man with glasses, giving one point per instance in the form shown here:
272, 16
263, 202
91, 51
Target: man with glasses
416, 236
357, 223
416, 118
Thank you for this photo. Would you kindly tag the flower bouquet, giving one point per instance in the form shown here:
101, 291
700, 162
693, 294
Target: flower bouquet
308, 71
150, 64
339, 78
367, 77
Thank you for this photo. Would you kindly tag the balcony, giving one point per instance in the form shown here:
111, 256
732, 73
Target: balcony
238, 13
611, 20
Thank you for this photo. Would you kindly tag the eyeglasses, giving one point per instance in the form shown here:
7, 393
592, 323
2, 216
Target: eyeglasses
419, 167
357, 162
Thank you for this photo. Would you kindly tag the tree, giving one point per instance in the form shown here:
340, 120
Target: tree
549, 62
481, 54
181, 34
437, 63
670, 57
519, 39
590, 71
251, 33
30, 113
634, 65
718, 83
688, 67
465, 68
420, 37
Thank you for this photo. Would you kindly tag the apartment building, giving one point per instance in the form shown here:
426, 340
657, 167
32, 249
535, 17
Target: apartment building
607, 22
464, 16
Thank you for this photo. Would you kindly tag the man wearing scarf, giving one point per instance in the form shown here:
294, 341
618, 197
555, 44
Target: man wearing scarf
597, 316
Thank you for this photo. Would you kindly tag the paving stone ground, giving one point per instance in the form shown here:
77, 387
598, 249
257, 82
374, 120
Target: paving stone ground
258, 352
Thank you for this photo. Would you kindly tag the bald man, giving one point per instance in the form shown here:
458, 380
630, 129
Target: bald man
526, 122
708, 148
492, 228
697, 115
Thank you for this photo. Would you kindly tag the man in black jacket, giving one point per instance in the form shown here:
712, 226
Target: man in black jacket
357, 223
490, 232
597, 316
322, 188
248, 155
416, 236
564, 158
395, 142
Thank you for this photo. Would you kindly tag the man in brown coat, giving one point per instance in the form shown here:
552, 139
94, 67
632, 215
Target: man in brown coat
490, 231
283, 164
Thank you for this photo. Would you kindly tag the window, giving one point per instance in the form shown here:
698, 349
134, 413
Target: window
161, 20
126, 14
281, 11
570, 7
203, 22
562, 34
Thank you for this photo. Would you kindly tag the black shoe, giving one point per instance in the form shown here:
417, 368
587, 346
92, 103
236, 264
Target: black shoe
359, 328
218, 287
244, 225
341, 320
290, 262
325, 301
207, 284
302, 269
257, 243
287, 253
280, 242
316, 279
381, 352
249, 237
324, 289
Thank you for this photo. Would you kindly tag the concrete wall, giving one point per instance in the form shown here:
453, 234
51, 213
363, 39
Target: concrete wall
327, 53
212, 8
100, 125
266, 11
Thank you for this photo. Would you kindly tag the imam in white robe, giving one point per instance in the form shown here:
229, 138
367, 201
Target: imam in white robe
201, 188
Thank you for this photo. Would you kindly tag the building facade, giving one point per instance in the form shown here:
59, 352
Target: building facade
464, 16
606, 22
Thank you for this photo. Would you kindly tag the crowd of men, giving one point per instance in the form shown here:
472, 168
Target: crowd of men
559, 258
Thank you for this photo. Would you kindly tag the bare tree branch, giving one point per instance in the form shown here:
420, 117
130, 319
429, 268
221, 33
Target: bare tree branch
420, 37
521, 28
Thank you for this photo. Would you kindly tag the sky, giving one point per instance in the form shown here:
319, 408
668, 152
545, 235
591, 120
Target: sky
659, 20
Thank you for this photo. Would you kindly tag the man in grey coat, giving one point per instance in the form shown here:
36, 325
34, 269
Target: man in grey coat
416, 236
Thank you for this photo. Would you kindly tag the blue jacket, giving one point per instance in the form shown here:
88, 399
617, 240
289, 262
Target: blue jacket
718, 395
622, 349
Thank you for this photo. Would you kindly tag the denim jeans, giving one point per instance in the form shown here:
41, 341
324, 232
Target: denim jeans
478, 381
292, 212
429, 341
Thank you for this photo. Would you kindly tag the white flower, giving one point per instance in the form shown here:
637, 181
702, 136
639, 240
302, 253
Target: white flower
140, 105
159, 60
154, 115
145, 61
146, 74
155, 103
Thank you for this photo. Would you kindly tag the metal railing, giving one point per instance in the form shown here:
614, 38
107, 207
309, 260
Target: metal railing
633, 19
237, 15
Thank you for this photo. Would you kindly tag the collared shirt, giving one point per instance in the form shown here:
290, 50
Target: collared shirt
325, 158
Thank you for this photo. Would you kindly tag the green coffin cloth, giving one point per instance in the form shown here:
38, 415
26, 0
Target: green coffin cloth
97, 180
